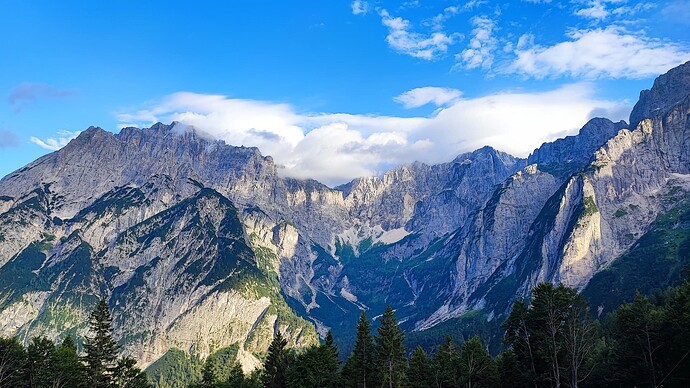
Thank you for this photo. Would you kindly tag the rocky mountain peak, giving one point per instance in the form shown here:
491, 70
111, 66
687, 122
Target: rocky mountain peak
667, 91
567, 155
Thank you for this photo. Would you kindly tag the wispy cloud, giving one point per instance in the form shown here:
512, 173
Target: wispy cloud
55, 143
27, 93
609, 52
595, 9
428, 95
8, 139
599, 10
436, 23
473, 4
480, 50
627, 10
360, 7
403, 39
335, 148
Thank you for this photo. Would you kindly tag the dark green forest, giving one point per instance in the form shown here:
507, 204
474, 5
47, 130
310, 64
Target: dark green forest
550, 341
44, 364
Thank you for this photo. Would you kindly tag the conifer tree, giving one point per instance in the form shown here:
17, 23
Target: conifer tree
477, 369
38, 367
358, 371
419, 372
390, 351
100, 348
209, 376
677, 319
12, 361
67, 369
637, 329
518, 336
276, 364
445, 365
127, 375
329, 363
330, 345
317, 366
547, 316
236, 375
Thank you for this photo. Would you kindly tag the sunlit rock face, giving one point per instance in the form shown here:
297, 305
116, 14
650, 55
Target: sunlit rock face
198, 245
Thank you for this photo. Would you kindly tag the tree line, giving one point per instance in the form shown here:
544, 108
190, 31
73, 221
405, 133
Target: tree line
552, 340
44, 364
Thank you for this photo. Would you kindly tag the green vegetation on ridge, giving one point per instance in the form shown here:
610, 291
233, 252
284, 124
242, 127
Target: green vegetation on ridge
659, 259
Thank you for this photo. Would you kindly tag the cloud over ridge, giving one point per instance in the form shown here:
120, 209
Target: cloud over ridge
337, 147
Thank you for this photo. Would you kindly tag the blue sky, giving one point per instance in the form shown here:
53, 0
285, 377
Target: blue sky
331, 89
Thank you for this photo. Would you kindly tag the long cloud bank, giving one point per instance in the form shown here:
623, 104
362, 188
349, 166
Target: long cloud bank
335, 148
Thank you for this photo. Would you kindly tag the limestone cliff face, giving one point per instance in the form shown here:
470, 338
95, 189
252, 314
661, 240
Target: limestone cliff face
600, 211
485, 249
182, 276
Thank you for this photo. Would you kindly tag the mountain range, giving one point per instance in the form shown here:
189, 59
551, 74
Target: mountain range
199, 245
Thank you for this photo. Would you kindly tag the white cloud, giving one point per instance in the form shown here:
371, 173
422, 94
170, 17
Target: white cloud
610, 52
409, 4
479, 52
472, 4
55, 143
437, 21
632, 10
421, 96
334, 148
518, 122
402, 39
360, 7
598, 10
595, 10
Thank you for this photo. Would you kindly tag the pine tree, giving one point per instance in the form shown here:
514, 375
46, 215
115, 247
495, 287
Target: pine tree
317, 366
38, 367
209, 375
677, 319
12, 361
477, 369
329, 363
390, 351
358, 371
580, 337
419, 372
445, 365
509, 372
67, 369
276, 364
236, 376
518, 337
547, 317
127, 375
101, 349
554, 338
330, 345
637, 329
